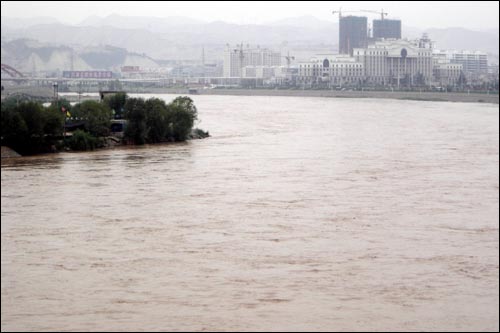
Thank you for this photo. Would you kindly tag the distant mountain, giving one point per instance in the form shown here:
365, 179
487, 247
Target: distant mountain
306, 21
463, 39
21, 23
33, 56
153, 24
178, 38
134, 40
179, 42
411, 32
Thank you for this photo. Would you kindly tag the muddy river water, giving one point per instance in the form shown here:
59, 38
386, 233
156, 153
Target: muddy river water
296, 214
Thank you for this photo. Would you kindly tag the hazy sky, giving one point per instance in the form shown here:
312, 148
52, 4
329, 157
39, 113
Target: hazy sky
422, 14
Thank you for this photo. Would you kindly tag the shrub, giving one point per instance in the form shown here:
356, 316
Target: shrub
82, 141
97, 117
198, 133
135, 113
157, 120
116, 103
154, 121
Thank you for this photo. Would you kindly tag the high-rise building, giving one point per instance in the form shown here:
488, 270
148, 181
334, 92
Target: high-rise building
387, 29
353, 33
235, 59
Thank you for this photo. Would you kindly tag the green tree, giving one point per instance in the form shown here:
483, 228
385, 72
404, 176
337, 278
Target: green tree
60, 103
187, 104
81, 140
135, 113
157, 120
154, 121
13, 101
54, 121
116, 102
183, 114
97, 117
23, 127
14, 131
33, 116
181, 122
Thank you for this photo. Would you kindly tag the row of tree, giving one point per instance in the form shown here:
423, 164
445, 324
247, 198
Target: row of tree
152, 120
30, 128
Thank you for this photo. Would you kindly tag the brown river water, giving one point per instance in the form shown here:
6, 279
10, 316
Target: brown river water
297, 214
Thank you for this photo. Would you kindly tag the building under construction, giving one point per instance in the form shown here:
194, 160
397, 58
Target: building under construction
385, 28
236, 59
353, 33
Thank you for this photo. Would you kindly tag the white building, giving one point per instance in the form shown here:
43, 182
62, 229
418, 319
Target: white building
331, 70
447, 74
444, 71
263, 72
474, 63
239, 57
397, 62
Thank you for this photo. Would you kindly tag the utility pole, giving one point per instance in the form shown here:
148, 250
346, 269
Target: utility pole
55, 92
56, 101
241, 56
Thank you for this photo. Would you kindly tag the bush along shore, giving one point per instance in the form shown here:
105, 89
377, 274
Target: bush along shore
30, 128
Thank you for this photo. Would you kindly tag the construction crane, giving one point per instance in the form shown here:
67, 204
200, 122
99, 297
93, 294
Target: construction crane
382, 13
288, 59
347, 11
242, 55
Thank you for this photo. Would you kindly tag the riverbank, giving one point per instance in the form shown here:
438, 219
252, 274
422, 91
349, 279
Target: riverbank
7, 152
403, 95
111, 143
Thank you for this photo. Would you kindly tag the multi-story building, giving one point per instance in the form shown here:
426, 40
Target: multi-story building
261, 72
235, 59
474, 63
444, 72
331, 70
387, 29
353, 33
397, 62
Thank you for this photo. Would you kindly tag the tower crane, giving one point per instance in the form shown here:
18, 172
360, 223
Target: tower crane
382, 13
288, 59
241, 53
346, 11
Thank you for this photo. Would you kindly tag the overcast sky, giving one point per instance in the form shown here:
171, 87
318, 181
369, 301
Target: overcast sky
423, 14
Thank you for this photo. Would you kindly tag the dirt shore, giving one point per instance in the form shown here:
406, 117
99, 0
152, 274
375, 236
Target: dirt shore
404, 95
418, 96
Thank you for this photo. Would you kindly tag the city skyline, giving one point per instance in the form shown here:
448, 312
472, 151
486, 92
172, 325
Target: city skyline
479, 15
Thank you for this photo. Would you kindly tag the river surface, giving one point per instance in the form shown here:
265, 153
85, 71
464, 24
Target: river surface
297, 214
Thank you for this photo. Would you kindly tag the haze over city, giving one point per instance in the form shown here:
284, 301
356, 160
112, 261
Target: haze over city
250, 166
477, 15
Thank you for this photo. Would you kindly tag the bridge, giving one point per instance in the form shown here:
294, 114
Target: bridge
11, 71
